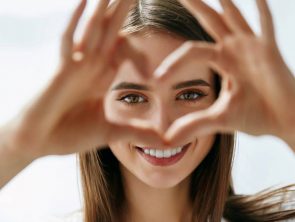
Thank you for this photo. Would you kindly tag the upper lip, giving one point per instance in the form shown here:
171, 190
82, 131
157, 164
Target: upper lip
162, 147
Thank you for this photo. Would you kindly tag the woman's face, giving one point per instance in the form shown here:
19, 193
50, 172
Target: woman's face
132, 97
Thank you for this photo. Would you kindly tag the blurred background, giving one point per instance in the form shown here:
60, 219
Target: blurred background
30, 33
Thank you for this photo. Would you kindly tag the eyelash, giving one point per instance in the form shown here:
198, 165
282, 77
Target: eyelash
199, 93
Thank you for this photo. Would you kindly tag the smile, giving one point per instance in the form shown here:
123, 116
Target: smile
162, 157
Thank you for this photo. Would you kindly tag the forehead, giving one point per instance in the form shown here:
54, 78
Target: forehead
157, 46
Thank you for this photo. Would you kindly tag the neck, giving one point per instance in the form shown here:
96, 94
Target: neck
145, 203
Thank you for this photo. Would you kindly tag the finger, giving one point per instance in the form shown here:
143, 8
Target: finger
189, 53
93, 32
104, 82
208, 17
116, 19
126, 51
233, 17
266, 20
186, 128
68, 36
137, 131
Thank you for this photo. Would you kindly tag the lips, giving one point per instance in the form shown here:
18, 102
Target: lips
162, 157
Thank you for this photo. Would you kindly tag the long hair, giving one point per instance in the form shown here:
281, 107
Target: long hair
211, 190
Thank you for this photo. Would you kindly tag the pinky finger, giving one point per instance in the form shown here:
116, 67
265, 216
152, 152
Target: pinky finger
266, 20
68, 36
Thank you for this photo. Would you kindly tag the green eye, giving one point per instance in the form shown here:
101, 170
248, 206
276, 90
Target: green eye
132, 99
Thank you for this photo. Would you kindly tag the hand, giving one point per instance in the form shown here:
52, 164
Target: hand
258, 89
68, 116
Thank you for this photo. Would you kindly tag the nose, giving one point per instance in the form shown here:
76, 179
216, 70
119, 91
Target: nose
161, 118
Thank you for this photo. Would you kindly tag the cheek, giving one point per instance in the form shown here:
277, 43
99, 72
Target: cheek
186, 108
126, 155
199, 152
121, 150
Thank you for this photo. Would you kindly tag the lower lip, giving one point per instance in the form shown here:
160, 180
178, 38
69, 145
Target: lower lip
163, 161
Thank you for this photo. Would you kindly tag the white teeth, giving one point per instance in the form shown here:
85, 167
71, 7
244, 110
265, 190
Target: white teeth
173, 152
167, 153
159, 153
163, 153
152, 152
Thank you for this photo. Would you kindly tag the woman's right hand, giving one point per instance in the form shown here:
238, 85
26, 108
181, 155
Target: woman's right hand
68, 116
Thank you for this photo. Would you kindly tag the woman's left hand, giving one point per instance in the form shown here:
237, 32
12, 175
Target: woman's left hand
258, 89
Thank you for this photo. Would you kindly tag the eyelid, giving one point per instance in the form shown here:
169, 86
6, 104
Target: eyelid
201, 93
127, 93
137, 94
122, 97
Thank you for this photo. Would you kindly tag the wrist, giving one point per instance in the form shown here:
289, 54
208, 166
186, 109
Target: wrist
12, 150
11, 161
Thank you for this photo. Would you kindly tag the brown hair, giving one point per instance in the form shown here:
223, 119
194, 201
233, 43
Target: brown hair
212, 193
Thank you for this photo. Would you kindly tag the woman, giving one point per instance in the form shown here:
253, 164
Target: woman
153, 123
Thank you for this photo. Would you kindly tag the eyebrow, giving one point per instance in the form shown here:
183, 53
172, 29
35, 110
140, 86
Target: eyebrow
135, 86
194, 82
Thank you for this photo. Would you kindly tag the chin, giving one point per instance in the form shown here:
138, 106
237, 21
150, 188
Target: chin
163, 181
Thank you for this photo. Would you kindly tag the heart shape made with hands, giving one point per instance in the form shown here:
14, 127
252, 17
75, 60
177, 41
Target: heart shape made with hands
243, 60
181, 128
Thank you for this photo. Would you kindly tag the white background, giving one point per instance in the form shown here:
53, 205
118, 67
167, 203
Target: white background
30, 31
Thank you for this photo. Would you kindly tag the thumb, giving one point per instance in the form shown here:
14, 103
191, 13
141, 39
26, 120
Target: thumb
187, 127
137, 131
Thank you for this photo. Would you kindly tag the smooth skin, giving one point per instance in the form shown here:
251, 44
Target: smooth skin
68, 115
157, 193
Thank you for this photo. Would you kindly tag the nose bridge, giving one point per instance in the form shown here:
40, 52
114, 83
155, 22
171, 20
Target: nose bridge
162, 117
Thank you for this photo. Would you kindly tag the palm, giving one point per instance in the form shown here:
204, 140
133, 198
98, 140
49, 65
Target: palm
81, 128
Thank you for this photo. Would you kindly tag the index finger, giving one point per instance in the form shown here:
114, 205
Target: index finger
208, 17
68, 36
180, 61
115, 23
266, 20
